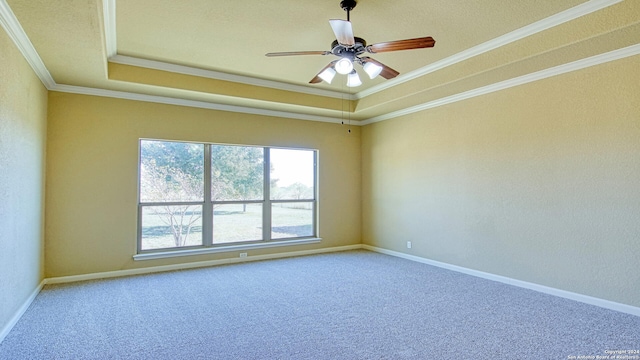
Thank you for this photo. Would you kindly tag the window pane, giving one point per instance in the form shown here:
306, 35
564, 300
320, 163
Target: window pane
237, 222
237, 173
172, 200
291, 220
171, 226
292, 174
171, 171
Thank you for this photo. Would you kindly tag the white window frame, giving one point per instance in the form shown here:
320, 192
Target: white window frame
208, 205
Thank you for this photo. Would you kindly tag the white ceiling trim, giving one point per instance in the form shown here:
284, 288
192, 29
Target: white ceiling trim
518, 34
520, 80
17, 34
110, 33
109, 18
534, 28
15, 31
210, 74
189, 103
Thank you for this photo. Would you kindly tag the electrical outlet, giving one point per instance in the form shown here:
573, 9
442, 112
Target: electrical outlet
408, 244
243, 255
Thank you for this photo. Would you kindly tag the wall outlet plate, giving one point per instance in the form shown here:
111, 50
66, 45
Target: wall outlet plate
243, 255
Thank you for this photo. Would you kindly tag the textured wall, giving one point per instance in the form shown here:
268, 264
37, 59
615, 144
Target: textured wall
92, 158
23, 110
537, 183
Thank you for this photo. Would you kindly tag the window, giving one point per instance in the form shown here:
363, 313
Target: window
208, 195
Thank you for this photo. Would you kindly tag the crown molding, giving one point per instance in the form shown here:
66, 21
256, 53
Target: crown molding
110, 34
22, 42
109, 20
217, 75
531, 29
520, 80
72, 89
16, 33
18, 36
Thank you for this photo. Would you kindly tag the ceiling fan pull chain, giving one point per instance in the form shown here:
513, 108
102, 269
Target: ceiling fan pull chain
342, 104
349, 111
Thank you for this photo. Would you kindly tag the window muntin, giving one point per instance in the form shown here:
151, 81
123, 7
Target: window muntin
256, 194
292, 193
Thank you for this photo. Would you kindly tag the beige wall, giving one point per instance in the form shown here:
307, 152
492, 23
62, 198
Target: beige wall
539, 183
23, 110
92, 175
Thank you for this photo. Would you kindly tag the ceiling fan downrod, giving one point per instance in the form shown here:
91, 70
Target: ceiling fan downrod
348, 5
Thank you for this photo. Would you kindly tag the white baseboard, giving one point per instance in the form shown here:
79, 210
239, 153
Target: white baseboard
192, 265
111, 274
16, 317
628, 309
607, 304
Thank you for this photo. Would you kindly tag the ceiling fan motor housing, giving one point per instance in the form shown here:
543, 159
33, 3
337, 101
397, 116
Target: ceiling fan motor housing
349, 51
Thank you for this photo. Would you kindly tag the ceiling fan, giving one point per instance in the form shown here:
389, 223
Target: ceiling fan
349, 49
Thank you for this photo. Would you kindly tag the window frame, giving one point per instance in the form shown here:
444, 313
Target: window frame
208, 204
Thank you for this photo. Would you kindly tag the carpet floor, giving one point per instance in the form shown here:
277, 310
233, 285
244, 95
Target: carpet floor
348, 305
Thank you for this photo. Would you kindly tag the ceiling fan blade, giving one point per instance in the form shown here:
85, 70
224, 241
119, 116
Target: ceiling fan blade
408, 44
343, 31
317, 78
387, 72
290, 53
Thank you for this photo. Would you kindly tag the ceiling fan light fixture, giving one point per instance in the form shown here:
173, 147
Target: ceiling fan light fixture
344, 66
327, 75
349, 49
353, 79
372, 69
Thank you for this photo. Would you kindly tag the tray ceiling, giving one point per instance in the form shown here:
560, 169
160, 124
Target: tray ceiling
212, 52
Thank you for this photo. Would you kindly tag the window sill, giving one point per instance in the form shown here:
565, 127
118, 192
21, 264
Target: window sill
220, 249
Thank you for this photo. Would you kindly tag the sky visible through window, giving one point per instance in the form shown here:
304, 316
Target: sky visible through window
292, 166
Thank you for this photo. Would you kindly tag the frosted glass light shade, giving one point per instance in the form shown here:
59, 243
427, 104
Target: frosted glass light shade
327, 75
344, 66
372, 69
353, 80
